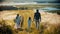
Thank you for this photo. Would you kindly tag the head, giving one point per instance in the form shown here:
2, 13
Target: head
37, 11
17, 14
29, 17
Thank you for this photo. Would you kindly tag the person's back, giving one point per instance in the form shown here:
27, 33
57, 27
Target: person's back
37, 15
17, 21
29, 22
37, 18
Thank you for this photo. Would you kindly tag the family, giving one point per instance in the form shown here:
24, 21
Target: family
19, 20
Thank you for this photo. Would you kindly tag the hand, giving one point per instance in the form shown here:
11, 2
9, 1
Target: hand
39, 19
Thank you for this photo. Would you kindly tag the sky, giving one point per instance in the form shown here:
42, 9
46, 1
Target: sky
26, 0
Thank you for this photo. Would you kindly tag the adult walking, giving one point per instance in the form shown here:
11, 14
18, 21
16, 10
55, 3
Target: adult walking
37, 18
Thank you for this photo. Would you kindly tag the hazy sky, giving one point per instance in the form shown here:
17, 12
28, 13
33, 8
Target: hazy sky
27, 0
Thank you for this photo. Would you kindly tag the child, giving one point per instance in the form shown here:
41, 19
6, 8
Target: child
29, 22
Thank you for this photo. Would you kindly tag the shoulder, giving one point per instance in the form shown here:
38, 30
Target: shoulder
34, 13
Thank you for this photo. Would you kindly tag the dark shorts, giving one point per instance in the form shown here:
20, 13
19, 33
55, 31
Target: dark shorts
37, 21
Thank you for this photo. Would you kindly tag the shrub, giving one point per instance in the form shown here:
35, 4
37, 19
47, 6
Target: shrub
5, 29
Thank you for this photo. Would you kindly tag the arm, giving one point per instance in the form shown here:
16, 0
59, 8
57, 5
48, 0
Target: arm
40, 17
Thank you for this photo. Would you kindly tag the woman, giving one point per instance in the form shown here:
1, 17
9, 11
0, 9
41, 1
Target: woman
17, 21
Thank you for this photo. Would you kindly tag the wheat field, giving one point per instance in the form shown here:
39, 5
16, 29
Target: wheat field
49, 21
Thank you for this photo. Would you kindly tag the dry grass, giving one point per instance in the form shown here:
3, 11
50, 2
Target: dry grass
50, 23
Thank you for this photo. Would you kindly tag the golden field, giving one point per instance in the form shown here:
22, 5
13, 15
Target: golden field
50, 22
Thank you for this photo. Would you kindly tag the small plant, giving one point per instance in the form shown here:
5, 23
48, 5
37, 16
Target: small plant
5, 29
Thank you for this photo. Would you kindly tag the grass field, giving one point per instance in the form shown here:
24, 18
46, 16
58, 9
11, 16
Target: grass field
50, 22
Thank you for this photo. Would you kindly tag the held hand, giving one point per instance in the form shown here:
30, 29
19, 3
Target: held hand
39, 19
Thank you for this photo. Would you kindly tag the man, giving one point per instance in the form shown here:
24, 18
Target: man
37, 18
